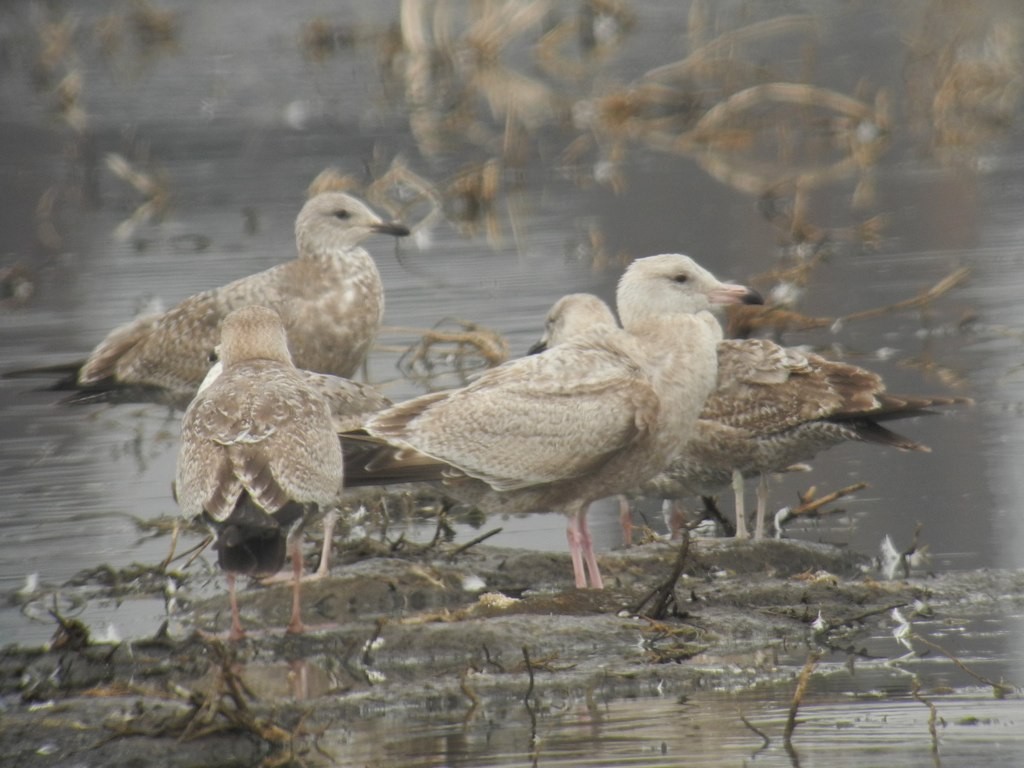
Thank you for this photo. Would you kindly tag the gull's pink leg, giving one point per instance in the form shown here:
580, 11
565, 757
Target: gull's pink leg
675, 518
322, 570
588, 550
626, 520
572, 533
236, 633
295, 626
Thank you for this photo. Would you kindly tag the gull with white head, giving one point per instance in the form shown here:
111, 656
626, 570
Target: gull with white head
772, 408
594, 416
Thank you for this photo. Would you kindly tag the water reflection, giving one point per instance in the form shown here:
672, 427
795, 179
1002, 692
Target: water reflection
702, 729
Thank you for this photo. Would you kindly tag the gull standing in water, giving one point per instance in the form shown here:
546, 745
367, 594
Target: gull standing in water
330, 300
259, 454
594, 416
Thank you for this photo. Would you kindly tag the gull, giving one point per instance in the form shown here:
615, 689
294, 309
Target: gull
596, 415
330, 300
259, 454
773, 407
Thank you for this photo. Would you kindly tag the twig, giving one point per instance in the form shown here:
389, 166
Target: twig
534, 741
195, 552
529, 671
811, 507
915, 691
665, 592
798, 696
999, 689
945, 285
758, 731
473, 542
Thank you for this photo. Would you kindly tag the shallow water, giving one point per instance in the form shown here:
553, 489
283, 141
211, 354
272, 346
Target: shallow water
237, 117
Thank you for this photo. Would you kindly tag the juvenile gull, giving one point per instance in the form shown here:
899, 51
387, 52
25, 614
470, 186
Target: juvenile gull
773, 407
350, 404
258, 454
591, 417
330, 299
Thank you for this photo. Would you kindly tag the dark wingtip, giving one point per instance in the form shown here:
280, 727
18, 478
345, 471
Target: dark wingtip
537, 348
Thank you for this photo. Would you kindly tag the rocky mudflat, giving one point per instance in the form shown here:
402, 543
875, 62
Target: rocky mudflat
451, 633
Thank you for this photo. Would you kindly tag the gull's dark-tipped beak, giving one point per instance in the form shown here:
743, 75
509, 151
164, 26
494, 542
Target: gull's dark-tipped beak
731, 293
538, 347
391, 228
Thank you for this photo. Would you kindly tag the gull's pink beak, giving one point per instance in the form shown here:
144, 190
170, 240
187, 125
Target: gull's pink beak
730, 293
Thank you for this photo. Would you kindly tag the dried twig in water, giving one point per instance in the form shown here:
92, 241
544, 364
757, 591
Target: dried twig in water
999, 690
759, 732
744, 321
473, 542
798, 696
944, 286
463, 351
529, 671
534, 741
810, 505
665, 592
915, 691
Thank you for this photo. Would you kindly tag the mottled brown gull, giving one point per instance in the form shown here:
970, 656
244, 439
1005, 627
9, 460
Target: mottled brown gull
350, 404
258, 454
330, 299
591, 417
777, 406
773, 407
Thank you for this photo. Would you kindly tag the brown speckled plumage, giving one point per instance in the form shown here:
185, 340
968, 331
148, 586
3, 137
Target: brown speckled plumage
330, 299
258, 447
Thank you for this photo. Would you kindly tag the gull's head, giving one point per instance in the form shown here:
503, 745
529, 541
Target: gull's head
672, 284
571, 316
339, 220
252, 333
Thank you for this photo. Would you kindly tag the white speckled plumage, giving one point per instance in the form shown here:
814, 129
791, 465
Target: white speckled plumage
772, 407
593, 416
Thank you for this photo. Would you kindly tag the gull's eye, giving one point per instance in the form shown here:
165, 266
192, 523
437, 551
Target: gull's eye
681, 278
342, 214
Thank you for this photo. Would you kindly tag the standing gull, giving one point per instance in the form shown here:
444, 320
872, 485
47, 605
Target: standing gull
330, 299
350, 404
773, 407
258, 454
594, 416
